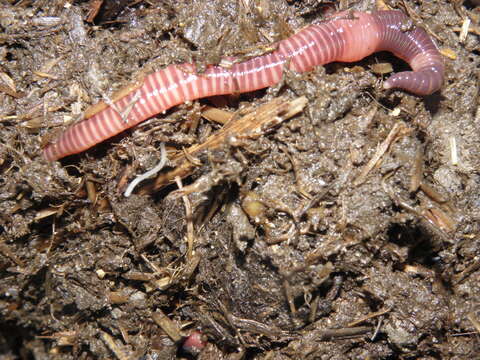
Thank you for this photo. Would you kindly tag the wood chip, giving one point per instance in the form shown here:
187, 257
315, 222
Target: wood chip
113, 346
7, 80
382, 68
453, 150
217, 115
167, 325
449, 53
465, 26
45, 213
45, 75
95, 6
91, 191
417, 171
7, 85
432, 193
441, 219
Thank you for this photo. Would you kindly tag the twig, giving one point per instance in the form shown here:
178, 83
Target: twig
382, 148
329, 334
369, 316
377, 329
188, 215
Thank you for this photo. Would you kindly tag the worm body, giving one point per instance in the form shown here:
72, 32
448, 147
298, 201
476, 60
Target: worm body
347, 37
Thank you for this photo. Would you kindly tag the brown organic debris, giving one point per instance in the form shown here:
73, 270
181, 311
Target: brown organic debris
399, 130
252, 125
168, 326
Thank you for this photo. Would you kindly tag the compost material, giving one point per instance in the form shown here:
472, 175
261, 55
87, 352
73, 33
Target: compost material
321, 218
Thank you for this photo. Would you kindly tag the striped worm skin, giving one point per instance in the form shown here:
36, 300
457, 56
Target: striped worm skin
417, 49
347, 36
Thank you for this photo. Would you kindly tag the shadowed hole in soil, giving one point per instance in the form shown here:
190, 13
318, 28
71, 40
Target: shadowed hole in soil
422, 248
13, 337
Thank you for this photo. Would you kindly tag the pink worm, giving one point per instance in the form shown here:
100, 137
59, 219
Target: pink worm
347, 36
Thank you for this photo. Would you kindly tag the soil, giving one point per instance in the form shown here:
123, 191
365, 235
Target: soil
349, 231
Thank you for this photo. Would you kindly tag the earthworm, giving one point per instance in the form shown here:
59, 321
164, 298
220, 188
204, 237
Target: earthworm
346, 37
